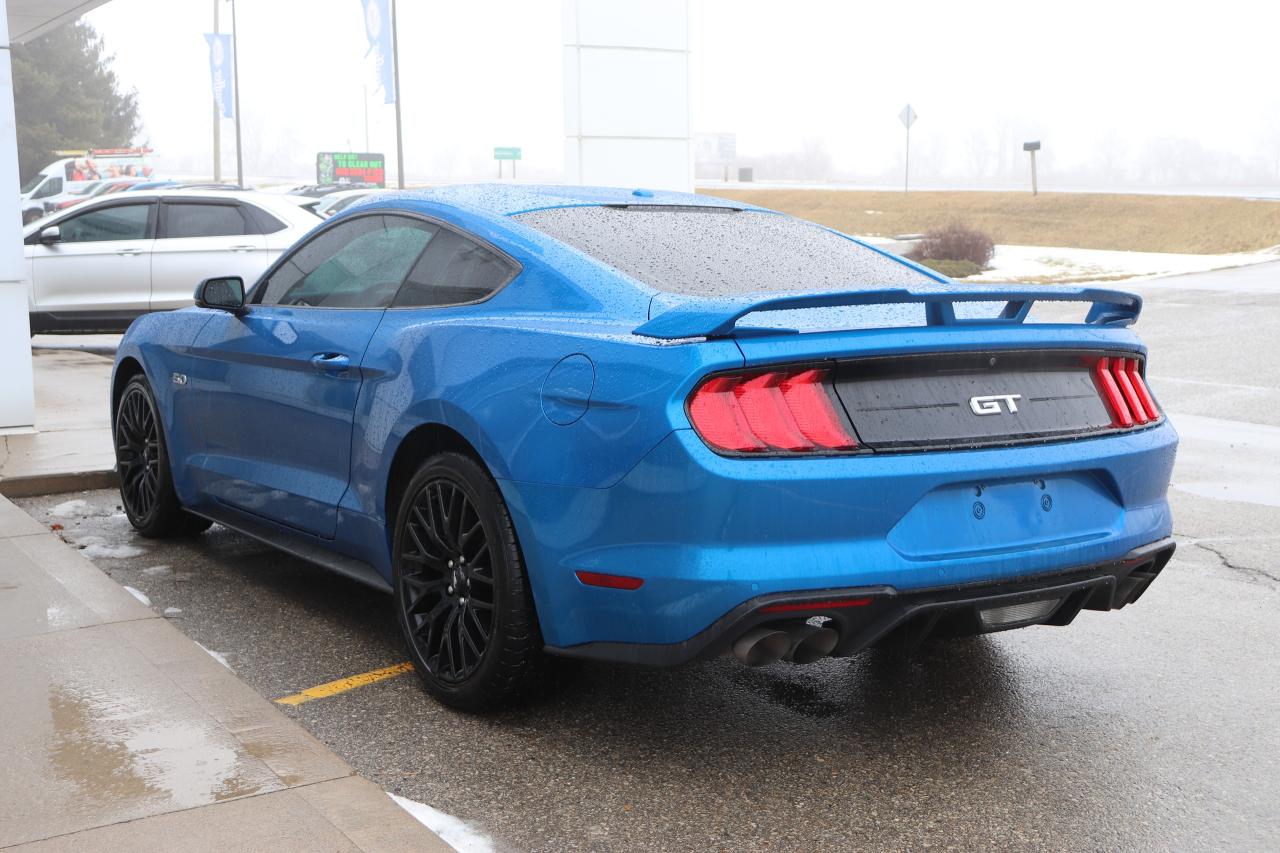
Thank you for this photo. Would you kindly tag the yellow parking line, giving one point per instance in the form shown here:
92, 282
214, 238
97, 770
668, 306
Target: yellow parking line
342, 685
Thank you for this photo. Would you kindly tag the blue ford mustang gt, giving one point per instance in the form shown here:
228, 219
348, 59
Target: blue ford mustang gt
651, 427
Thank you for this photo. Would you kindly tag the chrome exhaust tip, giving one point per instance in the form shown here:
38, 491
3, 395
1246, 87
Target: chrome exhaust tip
761, 646
810, 643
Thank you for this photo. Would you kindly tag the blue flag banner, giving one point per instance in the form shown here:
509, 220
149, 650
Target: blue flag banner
377, 26
220, 71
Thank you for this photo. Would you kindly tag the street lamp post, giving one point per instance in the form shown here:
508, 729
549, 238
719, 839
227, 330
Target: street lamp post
217, 116
395, 59
235, 61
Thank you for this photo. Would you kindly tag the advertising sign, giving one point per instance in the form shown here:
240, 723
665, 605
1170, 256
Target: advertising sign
220, 72
104, 163
506, 153
351, 167
377, 27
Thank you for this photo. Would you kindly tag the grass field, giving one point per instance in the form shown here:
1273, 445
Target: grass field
1142, 223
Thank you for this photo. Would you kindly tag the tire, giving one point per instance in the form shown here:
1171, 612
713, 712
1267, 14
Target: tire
462, 595
142, 463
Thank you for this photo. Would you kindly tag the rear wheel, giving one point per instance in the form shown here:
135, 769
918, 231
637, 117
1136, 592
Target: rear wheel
462, 595
142, 463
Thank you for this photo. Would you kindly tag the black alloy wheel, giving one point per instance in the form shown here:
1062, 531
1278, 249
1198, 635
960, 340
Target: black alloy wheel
462, 596
142, 464
138, 452
447, 580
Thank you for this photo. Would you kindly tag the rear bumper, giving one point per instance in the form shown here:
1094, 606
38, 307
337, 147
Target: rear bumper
908, 617
707, 533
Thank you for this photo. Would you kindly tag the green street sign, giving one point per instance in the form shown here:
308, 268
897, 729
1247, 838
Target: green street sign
506, 153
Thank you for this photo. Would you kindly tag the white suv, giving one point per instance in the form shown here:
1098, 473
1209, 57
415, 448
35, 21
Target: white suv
99, 265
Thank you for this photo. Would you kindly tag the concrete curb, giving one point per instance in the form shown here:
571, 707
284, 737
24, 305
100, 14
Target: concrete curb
54, 484
127, 735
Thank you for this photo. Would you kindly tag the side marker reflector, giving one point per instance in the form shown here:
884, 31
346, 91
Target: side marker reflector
798, 606
609, 581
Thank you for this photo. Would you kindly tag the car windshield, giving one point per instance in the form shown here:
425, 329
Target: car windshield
32, 184
719, 251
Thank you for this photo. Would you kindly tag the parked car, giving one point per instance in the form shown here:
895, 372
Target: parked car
93, 190
58, 181
569, 421
322, 190
99, 265
340, 201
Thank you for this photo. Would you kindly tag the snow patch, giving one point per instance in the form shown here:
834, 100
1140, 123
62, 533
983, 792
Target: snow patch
173, 611
156, 570
454, 832
218, 656
138, 594
67, 509
1066, 265
95, 550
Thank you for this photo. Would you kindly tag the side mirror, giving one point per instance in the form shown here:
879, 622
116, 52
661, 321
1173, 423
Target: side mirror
50, 234
225, 294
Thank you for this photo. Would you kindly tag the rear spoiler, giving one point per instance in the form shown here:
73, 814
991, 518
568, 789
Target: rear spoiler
717, 318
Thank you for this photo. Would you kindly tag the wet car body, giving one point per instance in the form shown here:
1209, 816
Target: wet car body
973, 472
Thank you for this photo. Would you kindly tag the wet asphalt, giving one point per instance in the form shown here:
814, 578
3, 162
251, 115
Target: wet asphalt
1154, 727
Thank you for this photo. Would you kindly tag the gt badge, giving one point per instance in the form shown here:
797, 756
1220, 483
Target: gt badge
989, 404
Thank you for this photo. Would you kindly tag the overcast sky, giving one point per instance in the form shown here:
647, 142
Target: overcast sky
1123, 93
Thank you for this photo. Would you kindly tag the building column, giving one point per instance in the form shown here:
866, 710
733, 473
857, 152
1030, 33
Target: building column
626, 93
17, 398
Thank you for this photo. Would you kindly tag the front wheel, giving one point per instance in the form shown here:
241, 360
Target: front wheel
462, 596
142, 463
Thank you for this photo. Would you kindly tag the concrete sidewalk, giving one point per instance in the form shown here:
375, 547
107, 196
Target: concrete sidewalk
119, 732
71, 447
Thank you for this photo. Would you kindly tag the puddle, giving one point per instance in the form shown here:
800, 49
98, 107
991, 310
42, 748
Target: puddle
115, 749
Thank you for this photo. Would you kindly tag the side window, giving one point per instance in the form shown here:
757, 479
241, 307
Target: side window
52, 187
203, 220
452, 271
357, 264
263, 222
119, 222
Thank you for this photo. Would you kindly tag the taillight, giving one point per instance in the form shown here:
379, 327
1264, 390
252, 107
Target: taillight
1128, 400
780, 410
1140, 388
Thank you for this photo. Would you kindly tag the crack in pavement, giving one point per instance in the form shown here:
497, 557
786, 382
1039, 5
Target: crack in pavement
1248, 570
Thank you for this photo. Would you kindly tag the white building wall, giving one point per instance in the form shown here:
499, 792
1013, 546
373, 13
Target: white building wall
17, 402
626, 93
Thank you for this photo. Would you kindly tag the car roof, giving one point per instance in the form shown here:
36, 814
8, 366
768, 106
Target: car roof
284, 208
511, 199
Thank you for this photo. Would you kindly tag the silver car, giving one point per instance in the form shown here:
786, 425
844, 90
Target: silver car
99, 265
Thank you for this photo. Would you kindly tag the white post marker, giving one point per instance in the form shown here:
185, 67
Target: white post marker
1032, 147
908, 118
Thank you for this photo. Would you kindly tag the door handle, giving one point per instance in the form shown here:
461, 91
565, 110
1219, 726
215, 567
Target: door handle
242, 248
330, 362
128, 251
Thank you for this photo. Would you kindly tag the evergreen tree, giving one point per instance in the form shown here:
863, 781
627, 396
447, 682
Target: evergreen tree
66, 97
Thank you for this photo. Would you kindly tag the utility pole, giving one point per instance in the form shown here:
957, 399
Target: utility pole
217, 115
235, 60
395, 60
1032, 148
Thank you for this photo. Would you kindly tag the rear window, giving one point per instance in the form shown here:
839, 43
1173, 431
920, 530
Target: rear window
719, 251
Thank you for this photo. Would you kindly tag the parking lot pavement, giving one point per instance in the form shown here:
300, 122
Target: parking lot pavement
1152, 727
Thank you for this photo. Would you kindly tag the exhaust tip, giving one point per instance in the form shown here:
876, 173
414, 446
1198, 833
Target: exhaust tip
810, 643
761, 646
